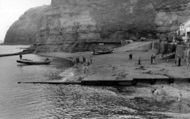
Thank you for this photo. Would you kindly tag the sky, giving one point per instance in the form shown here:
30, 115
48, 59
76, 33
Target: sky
11, 10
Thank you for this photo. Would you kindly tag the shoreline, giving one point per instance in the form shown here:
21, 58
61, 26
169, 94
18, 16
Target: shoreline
117, 66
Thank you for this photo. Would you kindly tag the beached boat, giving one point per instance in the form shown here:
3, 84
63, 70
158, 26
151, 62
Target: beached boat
30, 62
99, 52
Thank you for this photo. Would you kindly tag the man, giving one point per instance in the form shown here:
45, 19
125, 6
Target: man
20, 56
139, 61
153, 57
84, 59
187, 53
47, 59
179, 61
130, 56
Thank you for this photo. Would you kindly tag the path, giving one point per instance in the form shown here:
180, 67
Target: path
132, 46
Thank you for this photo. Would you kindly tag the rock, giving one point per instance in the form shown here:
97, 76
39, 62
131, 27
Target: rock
66, 24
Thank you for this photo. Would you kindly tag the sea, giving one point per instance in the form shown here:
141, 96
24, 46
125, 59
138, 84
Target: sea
43, 101
26, 101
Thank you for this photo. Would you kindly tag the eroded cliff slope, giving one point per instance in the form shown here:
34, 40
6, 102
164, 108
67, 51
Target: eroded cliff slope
66, 24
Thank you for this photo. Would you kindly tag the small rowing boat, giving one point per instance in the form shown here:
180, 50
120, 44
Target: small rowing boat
30, 62
100, 52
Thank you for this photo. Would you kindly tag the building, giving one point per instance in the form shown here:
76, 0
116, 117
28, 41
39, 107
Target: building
184, 31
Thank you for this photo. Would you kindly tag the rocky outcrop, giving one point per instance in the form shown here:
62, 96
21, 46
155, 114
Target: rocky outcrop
67, 24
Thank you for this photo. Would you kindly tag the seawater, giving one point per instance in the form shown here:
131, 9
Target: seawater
29, 101
22, 101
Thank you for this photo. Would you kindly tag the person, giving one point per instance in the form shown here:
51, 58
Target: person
91, 60
152, 59
85, 69
47, 59
179, 61
139, 61
130, 56
187, 52
77, 60
20, 56
179, 99
94, 51
88, 63
84, 59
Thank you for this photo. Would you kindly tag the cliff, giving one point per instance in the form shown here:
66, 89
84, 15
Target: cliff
23, 31
66, 24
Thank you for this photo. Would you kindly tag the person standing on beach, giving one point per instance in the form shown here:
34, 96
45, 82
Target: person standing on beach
152, 59
20, 56
178, 61
77, 60
130, 56
139, 61
179, 100
84, 59
91, 60
85, 69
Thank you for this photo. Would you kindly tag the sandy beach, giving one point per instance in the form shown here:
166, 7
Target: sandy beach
168, 99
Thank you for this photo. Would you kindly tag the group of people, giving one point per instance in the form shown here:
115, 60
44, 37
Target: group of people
152, 59
82, 60
178, 60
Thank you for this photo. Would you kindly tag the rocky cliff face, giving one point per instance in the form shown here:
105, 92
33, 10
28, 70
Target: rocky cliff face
23, 31
66, 24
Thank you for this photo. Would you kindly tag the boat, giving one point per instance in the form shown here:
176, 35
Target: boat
26, 51
104, 51
30, 62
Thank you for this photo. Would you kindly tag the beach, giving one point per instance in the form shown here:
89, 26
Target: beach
144, 100
169, 99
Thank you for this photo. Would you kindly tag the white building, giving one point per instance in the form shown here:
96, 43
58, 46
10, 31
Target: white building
184, 31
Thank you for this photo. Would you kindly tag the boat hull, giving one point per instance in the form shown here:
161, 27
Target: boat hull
102, 52
30, 62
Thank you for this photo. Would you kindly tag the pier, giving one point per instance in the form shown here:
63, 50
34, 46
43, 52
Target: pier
133, 82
